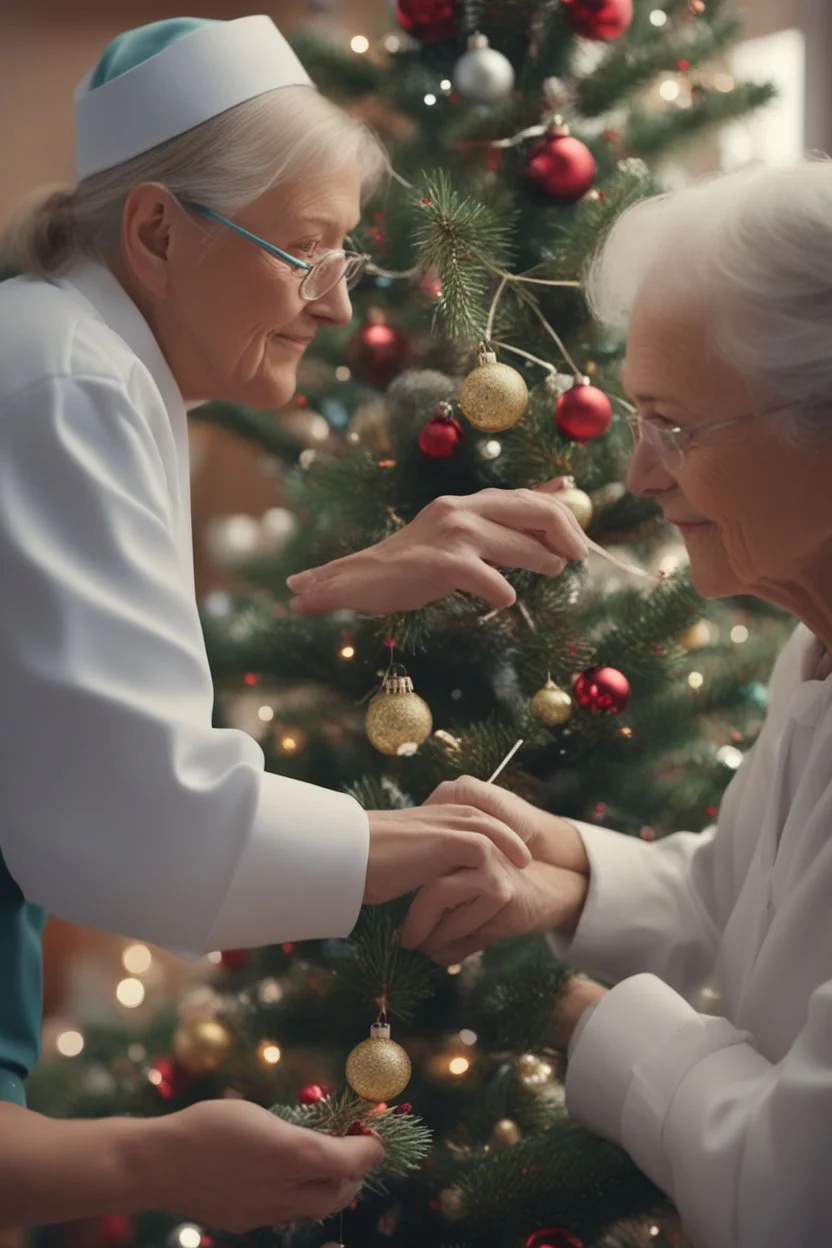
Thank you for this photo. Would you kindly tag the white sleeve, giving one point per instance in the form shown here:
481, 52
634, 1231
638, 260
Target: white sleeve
739, 1144
648, 908
662, 906
122, 807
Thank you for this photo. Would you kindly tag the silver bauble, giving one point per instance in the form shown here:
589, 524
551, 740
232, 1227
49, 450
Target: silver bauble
482, 74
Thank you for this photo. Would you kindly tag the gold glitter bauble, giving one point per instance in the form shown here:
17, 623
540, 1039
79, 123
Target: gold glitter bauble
378, 1069
579, 503
452, 1204
201, 1045
494, 396
506, 1133
398, 720
551, 704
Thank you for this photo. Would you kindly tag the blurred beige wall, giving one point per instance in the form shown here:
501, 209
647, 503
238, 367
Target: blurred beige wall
46, 47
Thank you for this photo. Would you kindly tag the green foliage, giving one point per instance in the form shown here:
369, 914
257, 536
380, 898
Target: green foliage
465, 243
406, 1140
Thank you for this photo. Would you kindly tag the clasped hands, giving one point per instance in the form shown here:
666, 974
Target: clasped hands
488, 865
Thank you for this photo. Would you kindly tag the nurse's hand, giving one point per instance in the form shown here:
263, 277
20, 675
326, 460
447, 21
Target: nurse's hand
233, 1165
455, 543
227, 1164
409, 848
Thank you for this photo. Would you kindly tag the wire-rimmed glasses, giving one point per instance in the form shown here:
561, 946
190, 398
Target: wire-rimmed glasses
320, 277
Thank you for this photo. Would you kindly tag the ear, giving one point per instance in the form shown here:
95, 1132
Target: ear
147, 226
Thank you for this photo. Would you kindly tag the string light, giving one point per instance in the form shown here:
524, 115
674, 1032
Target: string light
347, 652
658, 17
455, 969
289, 745
189, 1236
459, 1066
729, 756
137, 959
214, 958
342, 373
446, 84
70, 1043
266, 713
696, 680
391, 43
136, 1052
724, 83
130, 993
430, 99
360, 44
467, 1036
268, 1052
669, 90
269, 991
739, 634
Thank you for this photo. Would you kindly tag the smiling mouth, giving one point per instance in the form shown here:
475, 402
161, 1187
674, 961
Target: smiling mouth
296, 344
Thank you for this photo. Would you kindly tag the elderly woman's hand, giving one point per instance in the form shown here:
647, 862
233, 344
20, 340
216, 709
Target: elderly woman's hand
548, 838
455, 543
459, 914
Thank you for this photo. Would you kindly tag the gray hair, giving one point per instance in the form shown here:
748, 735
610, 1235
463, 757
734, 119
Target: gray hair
226, 163
751, 252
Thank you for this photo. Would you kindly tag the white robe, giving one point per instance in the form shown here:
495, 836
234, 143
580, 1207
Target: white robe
731, 1115
121, 807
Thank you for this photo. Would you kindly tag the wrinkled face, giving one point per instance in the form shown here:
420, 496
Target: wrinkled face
228, 315
754, 510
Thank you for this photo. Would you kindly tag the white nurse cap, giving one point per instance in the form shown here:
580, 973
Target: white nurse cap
161, 80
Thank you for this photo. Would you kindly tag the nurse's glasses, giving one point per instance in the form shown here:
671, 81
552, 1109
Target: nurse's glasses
321, 276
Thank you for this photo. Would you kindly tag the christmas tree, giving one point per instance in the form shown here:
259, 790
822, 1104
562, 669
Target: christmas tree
524, 129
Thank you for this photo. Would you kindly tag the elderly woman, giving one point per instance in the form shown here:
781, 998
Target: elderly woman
198, 256
728, 290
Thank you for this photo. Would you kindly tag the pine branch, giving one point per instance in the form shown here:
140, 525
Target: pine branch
515, 999
630, 67
407, 1141
465, 243
561, 1177
650, 136
394, 980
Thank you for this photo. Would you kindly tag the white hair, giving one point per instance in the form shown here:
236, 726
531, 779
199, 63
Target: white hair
225, 163
751, 253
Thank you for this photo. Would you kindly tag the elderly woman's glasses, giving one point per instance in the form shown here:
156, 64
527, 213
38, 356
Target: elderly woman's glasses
668, 442
321, 275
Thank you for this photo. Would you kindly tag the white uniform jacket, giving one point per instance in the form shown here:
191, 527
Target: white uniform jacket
121, 807
730, 1115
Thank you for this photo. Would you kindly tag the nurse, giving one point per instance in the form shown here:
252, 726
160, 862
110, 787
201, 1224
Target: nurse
197, 257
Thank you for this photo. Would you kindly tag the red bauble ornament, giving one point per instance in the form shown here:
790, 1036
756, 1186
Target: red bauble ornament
169, 1078
561, 166
116, 1231
440, 436
429, 21
312, 1094
584, 412
553, 1237
234, 959
602, 689
378, 352
599, 19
